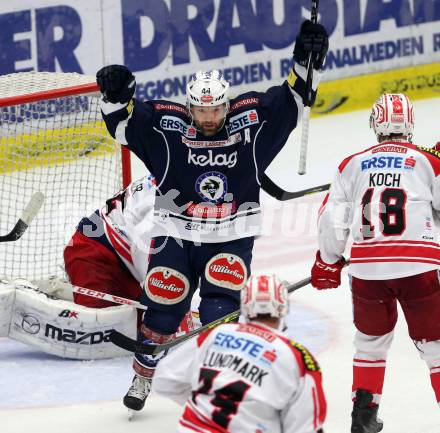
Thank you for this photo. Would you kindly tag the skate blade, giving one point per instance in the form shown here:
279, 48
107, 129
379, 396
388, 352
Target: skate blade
131, 414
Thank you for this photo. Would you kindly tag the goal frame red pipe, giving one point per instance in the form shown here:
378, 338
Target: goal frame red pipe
80, 89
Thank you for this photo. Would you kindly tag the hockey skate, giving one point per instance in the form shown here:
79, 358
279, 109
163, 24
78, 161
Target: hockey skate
135, 398
364, 417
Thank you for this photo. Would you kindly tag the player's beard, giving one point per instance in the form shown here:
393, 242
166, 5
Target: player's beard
208, 125
210, 128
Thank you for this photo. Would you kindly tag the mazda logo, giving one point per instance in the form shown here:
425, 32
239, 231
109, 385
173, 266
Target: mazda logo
30, 324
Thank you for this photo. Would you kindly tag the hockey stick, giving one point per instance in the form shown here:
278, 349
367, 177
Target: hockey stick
131, 345
308, 100
277, 192
28, 214
107, 297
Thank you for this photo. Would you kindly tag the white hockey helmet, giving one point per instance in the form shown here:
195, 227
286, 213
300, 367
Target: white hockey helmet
392, 114
207, 89
264, 294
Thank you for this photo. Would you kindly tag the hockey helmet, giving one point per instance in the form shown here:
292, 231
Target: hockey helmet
264, 295
392, 114
207, 89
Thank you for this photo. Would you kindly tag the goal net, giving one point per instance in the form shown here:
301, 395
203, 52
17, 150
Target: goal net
52, 139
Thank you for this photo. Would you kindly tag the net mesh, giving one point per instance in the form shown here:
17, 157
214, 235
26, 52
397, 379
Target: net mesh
58, 146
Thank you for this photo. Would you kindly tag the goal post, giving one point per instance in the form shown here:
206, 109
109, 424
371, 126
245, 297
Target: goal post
52, 140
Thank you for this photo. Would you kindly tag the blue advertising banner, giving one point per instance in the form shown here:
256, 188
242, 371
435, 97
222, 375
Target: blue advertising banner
251, 41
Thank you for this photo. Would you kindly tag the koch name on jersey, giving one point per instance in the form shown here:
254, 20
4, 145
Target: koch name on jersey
387, 197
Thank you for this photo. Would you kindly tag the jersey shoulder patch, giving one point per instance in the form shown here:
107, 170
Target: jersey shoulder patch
310, 363
169, 106
429, 150
245, 101
433, 157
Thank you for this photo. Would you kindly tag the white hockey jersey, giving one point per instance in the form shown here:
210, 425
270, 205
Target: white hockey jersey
387, 196
243, 378
127, 219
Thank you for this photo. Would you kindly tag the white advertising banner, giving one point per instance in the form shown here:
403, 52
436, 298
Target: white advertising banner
48, 35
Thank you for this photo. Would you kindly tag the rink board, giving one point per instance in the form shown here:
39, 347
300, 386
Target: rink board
355, 93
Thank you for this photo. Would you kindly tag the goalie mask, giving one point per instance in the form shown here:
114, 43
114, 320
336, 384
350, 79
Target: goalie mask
392, 114
207, 100
264, 295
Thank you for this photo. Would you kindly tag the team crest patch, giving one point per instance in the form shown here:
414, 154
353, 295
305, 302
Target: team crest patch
212, 186
166, 286
226, 270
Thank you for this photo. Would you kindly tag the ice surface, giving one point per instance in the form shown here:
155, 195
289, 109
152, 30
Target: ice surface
43, 394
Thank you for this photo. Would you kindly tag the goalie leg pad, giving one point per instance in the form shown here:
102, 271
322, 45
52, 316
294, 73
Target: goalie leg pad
7, 299
65, 329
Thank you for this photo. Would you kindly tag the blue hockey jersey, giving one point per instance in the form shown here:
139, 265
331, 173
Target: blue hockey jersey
208, 187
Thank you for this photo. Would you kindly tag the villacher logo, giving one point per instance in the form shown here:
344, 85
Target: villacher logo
226, 270
166, 285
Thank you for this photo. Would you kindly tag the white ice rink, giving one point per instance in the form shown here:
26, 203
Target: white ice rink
44, 394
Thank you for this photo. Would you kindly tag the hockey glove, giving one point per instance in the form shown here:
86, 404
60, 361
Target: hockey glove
116, 83
326, 276
313, 39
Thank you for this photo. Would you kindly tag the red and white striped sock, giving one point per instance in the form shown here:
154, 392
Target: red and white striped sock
369, 375
435, 382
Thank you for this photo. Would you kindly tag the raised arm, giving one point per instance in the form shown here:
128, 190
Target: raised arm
128, 120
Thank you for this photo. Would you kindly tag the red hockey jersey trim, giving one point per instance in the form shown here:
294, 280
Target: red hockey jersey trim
432, 155
344, 163
203, 336
193, 420
118, 243
396, 251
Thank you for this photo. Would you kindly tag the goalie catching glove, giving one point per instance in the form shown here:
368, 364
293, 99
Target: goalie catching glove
325, 275
116, 83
